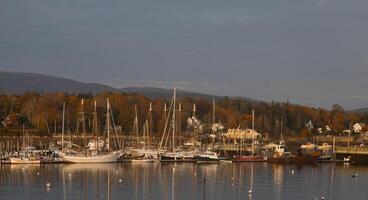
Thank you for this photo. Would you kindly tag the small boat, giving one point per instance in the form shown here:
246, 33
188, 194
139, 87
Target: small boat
347, 159
226, 161
208, 157
25, 160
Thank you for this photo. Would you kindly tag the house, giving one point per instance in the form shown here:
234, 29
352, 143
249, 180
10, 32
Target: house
242, 134
359, 127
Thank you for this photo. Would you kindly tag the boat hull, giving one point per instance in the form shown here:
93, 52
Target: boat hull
104, 158
143, 161
201, 159
24, 161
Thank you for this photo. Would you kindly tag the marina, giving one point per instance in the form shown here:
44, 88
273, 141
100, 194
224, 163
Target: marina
236, 145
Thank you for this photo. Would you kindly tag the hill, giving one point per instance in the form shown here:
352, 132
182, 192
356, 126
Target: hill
18, 83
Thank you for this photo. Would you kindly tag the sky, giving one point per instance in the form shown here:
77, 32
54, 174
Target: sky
310, 52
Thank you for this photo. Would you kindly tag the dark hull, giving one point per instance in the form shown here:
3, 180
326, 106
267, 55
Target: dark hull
176, 159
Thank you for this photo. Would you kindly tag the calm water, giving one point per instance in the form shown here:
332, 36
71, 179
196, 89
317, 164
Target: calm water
182, 181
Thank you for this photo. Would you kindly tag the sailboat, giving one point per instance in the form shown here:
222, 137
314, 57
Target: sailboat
27, 155
97, 156
252, 157
173, 153
146, 153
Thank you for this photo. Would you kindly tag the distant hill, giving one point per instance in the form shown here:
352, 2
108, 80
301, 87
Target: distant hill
17, 83
152, 92
360, 110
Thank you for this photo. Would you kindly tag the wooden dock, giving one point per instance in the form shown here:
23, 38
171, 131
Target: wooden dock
353, 150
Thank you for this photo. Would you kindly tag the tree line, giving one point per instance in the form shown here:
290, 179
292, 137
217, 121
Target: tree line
43, 112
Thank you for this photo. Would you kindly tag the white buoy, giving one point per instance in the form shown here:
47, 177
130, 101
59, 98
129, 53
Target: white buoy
250, 192
322, 198
38, 173
48, 185
292, 172
120, 180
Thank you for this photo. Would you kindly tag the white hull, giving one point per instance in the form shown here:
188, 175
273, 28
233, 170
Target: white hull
104, 158
143, 161
24, 161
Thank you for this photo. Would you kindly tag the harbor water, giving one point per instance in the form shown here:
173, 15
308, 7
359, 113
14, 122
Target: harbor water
257, 181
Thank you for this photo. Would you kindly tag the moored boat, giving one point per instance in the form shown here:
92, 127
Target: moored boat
98, 158
25, 160
208, 157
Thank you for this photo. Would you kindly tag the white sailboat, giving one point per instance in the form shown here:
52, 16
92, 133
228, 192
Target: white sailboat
146, 153
27, 155
96, 156
24, 160
173, 154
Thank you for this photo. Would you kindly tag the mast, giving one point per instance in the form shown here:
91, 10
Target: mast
213, 110
83, 124
108, 124
150, 130
253, 132
179, 123
136, 124
195, 127
173, 121
213, 113
95, 126
165, 114
63, 128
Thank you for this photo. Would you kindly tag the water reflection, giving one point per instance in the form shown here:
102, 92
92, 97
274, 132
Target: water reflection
181, 181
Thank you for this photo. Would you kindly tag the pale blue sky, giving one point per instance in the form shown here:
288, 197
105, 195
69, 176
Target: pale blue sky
312, 52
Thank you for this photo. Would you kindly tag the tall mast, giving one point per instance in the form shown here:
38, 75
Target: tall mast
213, 110
83, 124
179, 123
63, 128
148, 124
95, 125
136, 123
173, 120
252, 132
165, 114
195, 127
108, 124
252, 119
